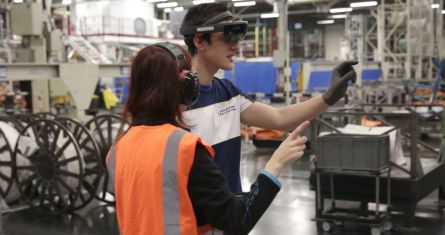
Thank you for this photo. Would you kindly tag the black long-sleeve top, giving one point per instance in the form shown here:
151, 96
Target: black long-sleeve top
214, 204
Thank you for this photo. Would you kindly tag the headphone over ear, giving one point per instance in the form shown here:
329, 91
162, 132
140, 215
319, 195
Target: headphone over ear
189, 80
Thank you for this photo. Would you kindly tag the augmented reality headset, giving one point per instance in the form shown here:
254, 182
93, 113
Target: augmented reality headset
234, 31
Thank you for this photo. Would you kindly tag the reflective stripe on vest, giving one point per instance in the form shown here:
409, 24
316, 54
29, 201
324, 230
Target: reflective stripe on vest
111, 166
170, 183
213, 232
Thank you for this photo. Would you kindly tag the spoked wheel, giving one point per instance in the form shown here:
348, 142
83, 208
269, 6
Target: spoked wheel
104, 129
24, 118
6, 165
46, 115
91, 158
49, 167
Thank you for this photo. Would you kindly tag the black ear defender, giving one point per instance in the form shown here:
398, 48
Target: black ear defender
189, 80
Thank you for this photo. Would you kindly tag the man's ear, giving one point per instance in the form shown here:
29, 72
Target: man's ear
199, 42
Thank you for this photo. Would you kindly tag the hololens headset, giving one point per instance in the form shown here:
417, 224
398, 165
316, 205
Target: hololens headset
234, 31
189, 81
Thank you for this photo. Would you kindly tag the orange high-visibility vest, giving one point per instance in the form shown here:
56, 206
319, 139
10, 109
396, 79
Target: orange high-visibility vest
150, 167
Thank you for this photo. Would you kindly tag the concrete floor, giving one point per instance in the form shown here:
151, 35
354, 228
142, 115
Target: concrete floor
290, 213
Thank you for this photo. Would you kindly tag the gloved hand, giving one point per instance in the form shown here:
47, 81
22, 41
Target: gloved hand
341, 75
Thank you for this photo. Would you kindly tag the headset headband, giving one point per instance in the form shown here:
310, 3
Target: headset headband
172, 48
208, 26
220, 17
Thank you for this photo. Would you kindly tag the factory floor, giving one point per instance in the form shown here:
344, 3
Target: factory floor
290, 213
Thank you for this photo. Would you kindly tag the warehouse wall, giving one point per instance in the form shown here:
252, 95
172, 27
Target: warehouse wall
332, 40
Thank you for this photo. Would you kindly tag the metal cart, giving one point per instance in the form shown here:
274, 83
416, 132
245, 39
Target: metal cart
355, 155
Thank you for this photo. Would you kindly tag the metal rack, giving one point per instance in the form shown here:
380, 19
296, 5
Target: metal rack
337, 155
379, 221
409, 184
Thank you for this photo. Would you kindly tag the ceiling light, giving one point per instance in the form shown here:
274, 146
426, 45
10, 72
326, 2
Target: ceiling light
340, 10
434, 6
179, 9
238, 0
18, 1
269, 15
167, 10
325, 22
341, 16
66, 2
152, 1
363, 4
244, 4
443, 12
167, 4
197, 2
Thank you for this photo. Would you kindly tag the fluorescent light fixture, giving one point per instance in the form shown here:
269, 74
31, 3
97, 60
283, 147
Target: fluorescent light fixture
179, 9
18, 1
153, 1
325, 22
443, 12
66, 2
167, 10
363, 4
244, 4
434, 6
197, 2
340, 10
238, 0
167, 5
269, 15
340, 16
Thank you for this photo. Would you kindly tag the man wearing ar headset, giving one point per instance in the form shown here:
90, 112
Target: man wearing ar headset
212, 38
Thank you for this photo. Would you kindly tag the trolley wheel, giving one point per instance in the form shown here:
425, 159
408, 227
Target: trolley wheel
91, 158
104, 129
327, 226
49, 174
376, 231
6, 166
387, 226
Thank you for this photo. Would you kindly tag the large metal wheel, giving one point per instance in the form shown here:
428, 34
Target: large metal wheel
91, 157
6, 165
25, 118
104, 129
46, 115
48, 166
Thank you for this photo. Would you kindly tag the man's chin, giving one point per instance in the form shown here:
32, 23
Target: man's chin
227, 67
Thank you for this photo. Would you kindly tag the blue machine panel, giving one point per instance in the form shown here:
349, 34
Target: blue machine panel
319, 80
371, 74
252, 77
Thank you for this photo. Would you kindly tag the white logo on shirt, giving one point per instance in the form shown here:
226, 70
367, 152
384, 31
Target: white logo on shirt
226, 110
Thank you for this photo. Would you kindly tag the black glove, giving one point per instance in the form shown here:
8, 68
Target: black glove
341, 75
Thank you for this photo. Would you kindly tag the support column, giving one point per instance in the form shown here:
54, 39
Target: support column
281, 56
